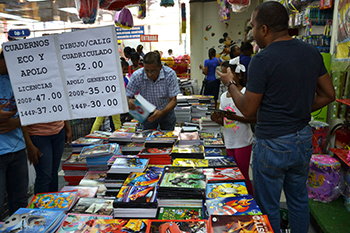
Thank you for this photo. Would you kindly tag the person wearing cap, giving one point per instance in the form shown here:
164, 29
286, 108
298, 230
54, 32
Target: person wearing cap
157, 84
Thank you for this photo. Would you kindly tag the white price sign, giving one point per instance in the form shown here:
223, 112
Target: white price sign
67, 76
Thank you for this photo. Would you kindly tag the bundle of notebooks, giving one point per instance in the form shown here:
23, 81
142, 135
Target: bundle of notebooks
99, 134
141, 135
183, 184
77, 145
240, 223
187, 151
33, 221
193, 226
213, 142
212, 152
73, 177
159, 155
189, 138
164, 138
95, 206
122, 167
62, 200
95, 179
132, 148
80, 222
223, 174
226, 189
74, 163
120, 225
180, 213
121, 138
83, 191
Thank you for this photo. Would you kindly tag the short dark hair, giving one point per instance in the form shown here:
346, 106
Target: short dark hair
243, 79
123, 62
212, 53
272, 14
135, 56
246, 46
127, 50
152, 58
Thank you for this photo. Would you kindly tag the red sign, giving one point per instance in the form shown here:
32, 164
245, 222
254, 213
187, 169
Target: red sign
148, 38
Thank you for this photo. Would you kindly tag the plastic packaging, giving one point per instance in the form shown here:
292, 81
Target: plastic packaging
325, 182
124, 19
320, 136
87, 10
239, 5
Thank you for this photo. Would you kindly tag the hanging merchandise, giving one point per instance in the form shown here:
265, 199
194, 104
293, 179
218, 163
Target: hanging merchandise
239, 5
224, 10
124, 19
142, 10
183, 17
342, 135
167, 3
87, 10
117, 5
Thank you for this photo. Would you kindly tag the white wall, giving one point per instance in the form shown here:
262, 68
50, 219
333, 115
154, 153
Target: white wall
207, 13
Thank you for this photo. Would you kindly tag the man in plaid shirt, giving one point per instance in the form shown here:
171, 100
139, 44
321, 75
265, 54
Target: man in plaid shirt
158, 85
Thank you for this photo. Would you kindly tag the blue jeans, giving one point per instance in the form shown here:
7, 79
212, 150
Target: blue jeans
166, 122
14, 180
279, 163
51, 148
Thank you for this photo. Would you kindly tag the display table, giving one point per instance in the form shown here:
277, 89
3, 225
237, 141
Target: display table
330, 217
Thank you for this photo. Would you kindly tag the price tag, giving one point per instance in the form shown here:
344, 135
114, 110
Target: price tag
67, 76
92, 71
36, 80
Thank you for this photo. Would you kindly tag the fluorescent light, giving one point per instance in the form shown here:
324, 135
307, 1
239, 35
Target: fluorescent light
16, 17
71, 10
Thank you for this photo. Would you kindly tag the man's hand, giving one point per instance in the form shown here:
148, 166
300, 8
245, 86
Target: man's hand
33, 154
156, 114
131, 104
225, 77
9, 125
5, 115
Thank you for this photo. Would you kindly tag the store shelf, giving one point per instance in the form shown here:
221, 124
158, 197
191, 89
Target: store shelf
342, 154
343, 101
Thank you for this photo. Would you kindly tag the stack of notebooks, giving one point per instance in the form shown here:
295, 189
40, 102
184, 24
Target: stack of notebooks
132, 148
95, 206
121, 138
213, 142
180, 184
189, 138
187, 151
164, 138
33, 220
97, 156
214, 152
199, 110
226, 189
73, 177
141, 135
206, 125
74, 167
95, 179
99, 134
77, 145
239, 223
159, 155
122, 167
183, 114
80, 222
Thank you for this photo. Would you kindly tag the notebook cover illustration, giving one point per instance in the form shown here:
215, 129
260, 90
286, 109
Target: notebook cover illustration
226, 161
209, 135
189, 136
156, 151
190, 162
142, 179
130, 163
223, 174
180, 213
245, 205
54, 200
99, 134
187, 149
32, 221
120, 226
96, 175
95, 150
96, 206
215, 151
75, 159
79, 222
164, 134
180, 226
183, 180
82, 191
213, 142
135, 194
125, 135
171, 169
219, 190
240, 223
86, 141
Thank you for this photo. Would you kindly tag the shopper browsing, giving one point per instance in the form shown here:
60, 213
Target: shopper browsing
237, 132
283, 89
157, 84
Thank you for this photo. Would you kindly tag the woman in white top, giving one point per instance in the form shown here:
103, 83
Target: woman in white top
237, 131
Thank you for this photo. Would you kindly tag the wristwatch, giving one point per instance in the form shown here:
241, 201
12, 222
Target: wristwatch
230, 83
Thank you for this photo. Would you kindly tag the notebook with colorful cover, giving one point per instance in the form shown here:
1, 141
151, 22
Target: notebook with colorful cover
120, 225
188, 151
183, 180
240, 223
190, 162
215, 152
86, 142
155, 151
54, 200
223, 174
209, 135
213, 142
95, 206
82, 191
99, 134
225, 161
127, 165
96, 150
244, 205
227, 189
33, 221
73, 223
143, 109
142, 179
192, 226
180, 213
136, 197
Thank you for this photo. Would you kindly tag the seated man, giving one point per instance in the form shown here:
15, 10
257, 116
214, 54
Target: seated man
158, 85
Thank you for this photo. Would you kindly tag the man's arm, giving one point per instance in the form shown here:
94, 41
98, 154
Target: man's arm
248, 103
5, 115
325, 93
168, 108
9, 125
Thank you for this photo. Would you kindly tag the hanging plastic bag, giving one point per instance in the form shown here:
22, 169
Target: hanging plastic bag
239, 5
87, 10
224, 10
124, 19
117, 5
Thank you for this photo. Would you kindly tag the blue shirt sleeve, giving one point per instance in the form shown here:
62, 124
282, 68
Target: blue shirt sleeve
173, 87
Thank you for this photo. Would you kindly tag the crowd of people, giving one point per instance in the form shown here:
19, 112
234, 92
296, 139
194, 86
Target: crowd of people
277, 89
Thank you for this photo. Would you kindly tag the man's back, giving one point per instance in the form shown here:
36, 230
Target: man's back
286, 72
